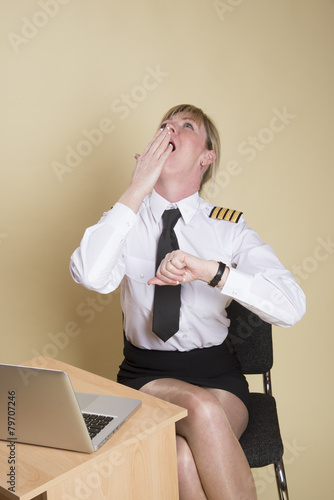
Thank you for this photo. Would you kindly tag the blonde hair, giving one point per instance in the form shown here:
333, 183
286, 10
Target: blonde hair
212, 135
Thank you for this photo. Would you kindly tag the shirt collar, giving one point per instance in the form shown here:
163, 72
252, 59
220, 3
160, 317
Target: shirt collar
187, 206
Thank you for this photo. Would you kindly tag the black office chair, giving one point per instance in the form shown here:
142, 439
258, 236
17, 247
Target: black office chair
251, 339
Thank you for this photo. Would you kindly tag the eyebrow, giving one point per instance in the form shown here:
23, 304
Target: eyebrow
184, 118
189, 119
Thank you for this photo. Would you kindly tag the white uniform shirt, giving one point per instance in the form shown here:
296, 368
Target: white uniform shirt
121, 248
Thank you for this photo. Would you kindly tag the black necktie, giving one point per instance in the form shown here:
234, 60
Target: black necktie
167, 298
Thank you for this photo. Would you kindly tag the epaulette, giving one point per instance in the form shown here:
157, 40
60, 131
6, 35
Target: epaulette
225, 214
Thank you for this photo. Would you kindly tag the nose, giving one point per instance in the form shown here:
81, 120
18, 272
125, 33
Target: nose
171, 127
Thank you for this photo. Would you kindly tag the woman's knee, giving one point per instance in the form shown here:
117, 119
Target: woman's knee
204, 409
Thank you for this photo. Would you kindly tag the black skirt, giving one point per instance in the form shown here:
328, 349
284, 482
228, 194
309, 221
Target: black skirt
214, 367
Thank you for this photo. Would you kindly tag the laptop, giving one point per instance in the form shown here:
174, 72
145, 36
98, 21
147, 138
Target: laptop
39, 406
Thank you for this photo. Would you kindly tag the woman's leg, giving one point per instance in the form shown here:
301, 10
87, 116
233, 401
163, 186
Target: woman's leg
216, 419
190, 486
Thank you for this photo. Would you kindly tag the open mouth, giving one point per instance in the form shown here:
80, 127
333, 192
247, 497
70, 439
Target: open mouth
173, 145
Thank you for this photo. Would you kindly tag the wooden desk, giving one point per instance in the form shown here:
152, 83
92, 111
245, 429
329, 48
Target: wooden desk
137, 463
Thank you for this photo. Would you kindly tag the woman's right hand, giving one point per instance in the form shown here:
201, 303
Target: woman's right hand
147, 170
151, 161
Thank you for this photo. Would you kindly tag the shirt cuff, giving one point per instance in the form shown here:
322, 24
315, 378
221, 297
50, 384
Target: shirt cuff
238, 285
122, 217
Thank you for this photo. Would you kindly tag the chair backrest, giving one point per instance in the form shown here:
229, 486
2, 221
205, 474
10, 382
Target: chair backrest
251, 338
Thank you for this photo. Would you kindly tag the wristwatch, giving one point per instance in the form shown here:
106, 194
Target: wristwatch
218, 277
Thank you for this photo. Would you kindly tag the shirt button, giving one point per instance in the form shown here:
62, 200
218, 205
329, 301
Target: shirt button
141, 275
184, 336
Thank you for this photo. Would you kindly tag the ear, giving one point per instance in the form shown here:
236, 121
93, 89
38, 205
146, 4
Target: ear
208, 158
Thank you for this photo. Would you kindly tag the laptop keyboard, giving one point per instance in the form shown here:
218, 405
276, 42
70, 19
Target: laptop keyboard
95, 423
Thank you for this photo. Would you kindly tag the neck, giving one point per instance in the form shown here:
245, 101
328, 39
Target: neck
174, 192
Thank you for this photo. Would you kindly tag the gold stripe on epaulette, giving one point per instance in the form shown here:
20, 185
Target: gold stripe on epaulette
222, 213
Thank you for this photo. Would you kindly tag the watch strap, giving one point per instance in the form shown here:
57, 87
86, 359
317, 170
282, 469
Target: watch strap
221, 268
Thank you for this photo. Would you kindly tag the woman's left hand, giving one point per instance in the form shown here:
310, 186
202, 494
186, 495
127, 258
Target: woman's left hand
181, 267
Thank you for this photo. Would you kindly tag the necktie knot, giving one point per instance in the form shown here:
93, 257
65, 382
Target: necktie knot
170, 218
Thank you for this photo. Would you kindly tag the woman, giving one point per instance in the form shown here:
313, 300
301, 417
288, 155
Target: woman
193, 367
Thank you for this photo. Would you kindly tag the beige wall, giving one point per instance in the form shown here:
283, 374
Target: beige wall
264, 71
